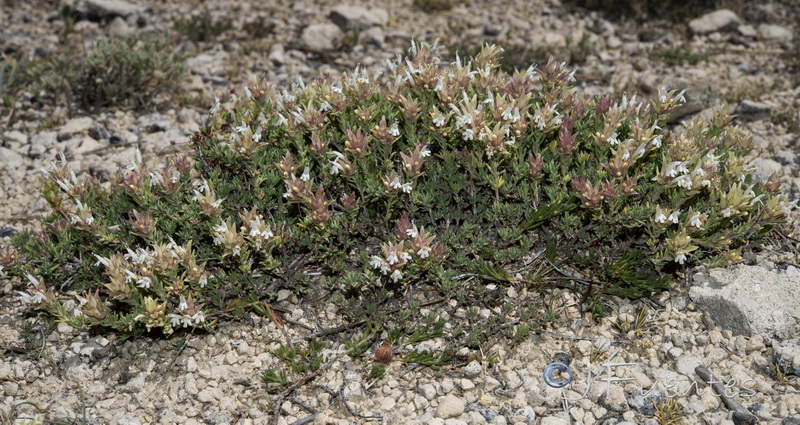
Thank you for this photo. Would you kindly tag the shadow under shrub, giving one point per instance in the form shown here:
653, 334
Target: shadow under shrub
375, 182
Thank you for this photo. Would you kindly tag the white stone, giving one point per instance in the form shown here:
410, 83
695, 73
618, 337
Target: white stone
350, 17
718, 20
774, 32
322, 36
450, 406
428, 391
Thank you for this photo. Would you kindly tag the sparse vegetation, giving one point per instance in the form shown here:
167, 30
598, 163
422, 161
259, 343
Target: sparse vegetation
128, 72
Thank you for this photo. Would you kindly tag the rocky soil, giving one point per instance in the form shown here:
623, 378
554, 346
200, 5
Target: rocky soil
747, 56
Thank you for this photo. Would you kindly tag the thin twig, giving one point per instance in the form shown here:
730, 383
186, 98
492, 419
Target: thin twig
587, 338
356, 324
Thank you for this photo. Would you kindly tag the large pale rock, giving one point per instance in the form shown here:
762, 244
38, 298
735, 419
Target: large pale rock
774, 32
750, 300
105, 10
322, 36
349, 17
10, 159
787, 356
73, 127
719, 20
766, 167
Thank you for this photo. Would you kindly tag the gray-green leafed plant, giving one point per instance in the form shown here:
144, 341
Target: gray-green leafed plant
407, 176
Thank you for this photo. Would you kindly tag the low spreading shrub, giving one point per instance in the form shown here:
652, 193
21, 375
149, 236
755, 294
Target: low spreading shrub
375, 182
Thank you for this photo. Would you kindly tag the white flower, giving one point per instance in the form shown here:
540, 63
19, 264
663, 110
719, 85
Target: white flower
405, 256
376, 262
726, 212
612, 140
198, 317
336, 88
203, 280
306, 175
393, 130
183, 305
425, 152
130, 276
673, 217
438, 120
395, 183
392, 258
217, 203
144, 282
336, 166
406, 187
248, 93
156, 179
282, 120
424, 252
680, 257
412, 232
439, 83
660, 216
175, 320
468, 134
684, 181
216, 106
696, 220
27, 298
396, 275
100, 260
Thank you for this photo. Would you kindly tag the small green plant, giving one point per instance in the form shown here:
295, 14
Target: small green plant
299, 361
430, 6
681, 55
668, 411
33, 335
412, 179
116, 72
204, 27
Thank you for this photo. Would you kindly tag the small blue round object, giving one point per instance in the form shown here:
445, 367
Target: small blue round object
551, 381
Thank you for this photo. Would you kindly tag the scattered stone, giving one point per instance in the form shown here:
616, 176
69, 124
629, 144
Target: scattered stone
450, 407
749, 110
774, 32
686, 364
322, 37
750, 300
41, 142
719, 20
554, 420
105, 10
119, 28
613, 399
787, 355
10, 159
152, 123
349, 17
642, 401
473, 369
791, 420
